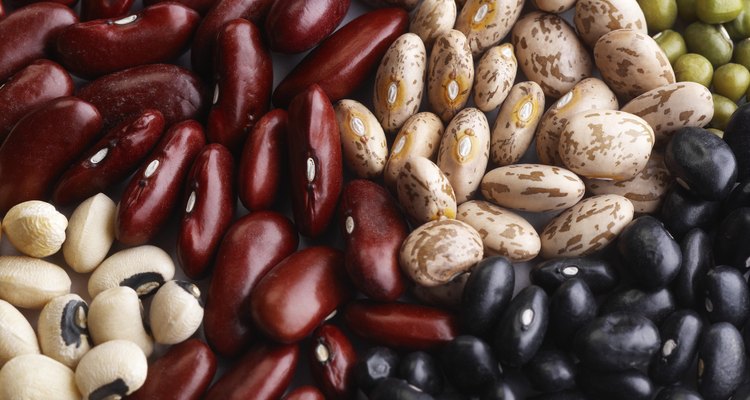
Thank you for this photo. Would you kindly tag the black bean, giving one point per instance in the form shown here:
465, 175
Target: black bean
422, 371
487, 293
571, 307
697, 258
626, 385
520, 331
498, 391
732, 236
727, 296
678, 393
655, 306
376, 364
566, 395
551, 371
721, 361
598, 274
652, 255
742, 392
468, 363
680, 335
396, 389
737, 136
682, 211
738, 197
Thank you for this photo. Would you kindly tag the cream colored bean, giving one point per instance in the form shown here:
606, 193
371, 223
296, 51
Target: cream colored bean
532, 187
34, 376
17, 337
420, 136
424, 191
494, 77
176, 312
451, 74
112, 370
363, 142
143, 268
464, 152
35, 228
486, 22
516, 123
503, 232
28, 282
117, 313
554, 6
63, 329
90, 233
594, 18
433, 18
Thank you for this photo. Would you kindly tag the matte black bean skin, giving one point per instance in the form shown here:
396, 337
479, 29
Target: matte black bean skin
721, 361
468, 364
627, 385
396, 389
697, 258
598, 274
570, 308
701, 162
566, 395
732, 236
376, 364
551, 371
682, 211
487, 293
727, 296
652, 255
678, 393
617, 342
422, 371
737, 136
655, 306
514, 341
498, 391
680, 334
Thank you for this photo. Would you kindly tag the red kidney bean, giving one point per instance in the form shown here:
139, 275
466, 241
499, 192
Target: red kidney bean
346, 58
101, 9
2, 10
373, 230
294, 26
262, 161
222, 12
201, 6
111, 159
332, 362
305, 393
26, 34
209, 208
401, 325
244, 81
262, 374
153, 191
156, 34
251, 247
405, 4
314, 160
299, 293
40, 82
175, 91
184, 372
41, 146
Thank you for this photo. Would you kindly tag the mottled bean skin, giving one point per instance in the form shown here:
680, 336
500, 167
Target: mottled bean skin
263, 161
294, 26
100, 9
333, 368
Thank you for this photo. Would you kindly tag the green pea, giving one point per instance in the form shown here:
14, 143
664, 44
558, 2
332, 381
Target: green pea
672, 43
739, 28
742, 53
686, 10
710, 41
723, 110
717, 11
693, 67
660, 14
731, 81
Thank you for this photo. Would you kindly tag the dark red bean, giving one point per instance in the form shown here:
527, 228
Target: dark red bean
200, 6
345, 59
175, 91
21, 3
305, 393
263, 161
314, 161
41, 146
2, 10
299, 293
156, 34
262, 374
405, 4
332, 362
153, 191
373, 230
40, 82
222, 12
244, 81
184, 372
111, 159
101, 9
401, 325
250, 248
294, 26
27, 34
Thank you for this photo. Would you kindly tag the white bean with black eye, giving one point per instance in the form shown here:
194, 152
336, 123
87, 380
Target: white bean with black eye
143, 268
63, 329
111, 370
17, 337
90, 233
117, 313
176, 312
35, 376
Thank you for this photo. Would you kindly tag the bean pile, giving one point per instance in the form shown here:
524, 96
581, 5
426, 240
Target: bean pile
413, 214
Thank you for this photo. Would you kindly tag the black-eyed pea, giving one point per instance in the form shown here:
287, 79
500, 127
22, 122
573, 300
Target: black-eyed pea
553, 6
143, 268
486, 22
594, 18
35, 228
63, 329
494, 77
433, 18
117, 313
35, 376
464, 152
532, 187
424, 191
17, 337
28, 282
450, 74
439, 251
446, 296
605, 144
176, 312
503, 232
111, 370
364, 147
516, 123
90, 233
586, 227
420, 136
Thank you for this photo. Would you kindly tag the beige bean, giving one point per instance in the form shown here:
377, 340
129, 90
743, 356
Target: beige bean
532, 187
114, 361
594, 18
424, 191
450, 74
117, 313
517, 120
464, 152
176, 312
143, 268
17, 337
420, 136
494, 77
35, 376
63, 329
28, 282
486, 22
35, 228
363, 142
433, 18
554, 6
503, 232
90, 233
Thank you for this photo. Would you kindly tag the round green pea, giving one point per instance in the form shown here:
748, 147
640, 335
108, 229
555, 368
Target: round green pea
717, 11
742, 53
739, 28
710, 41
660, 14
723, 110
693, 67
672, 43
731, 81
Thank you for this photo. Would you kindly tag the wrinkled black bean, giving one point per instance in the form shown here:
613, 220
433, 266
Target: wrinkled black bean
727, 296
617, 342
680, 335
721, 361
682, 211
697, 258
520, 331
571, 307
650, 252
551, 371
732, 237
422, 371
678, 393
498, 390
396, 389
487, 293
598, 274
655, 306
626, 385
468, 364
376, 364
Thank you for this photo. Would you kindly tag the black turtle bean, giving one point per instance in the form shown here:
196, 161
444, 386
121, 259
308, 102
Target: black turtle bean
721, 361
727, 296
520, 331
617, 342
677, 393
626, 385
376, 364
682, 211
551, 371
498, 390
742, 392
650, 252
571, 307
697, 258
656, 305
599, 275
680, 334
468, 364
737, 136
738, 197
396, 389
566, 395
487, 293
422, 371
732, 236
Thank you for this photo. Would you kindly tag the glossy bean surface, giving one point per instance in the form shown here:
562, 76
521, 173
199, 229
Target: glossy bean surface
598, 274
655, 305
572, 306
680, 334
332, 362
100, 9
650, 252
721, 361
294, 26
520, 331
617, 342
263, 162
487, 293
697, 258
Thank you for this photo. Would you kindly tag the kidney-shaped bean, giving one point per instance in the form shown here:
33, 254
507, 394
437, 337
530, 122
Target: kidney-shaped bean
332, 362
201, 6
294, 26
100, 9
262, 161
306, 392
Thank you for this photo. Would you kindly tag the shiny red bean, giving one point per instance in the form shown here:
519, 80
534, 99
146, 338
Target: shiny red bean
21, 3
27, 33
156, 34
294, 26
346, 58
41, 146
401, 325
2, 10
153, 191
263, 161
373, 230
299, 293
222, 12
201, 6
305, 393
111, 159
332, 362
242, 93
100, 9
251, 247
209, 209
262, 374
40, 82
184, 372
315, 164
175, 91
